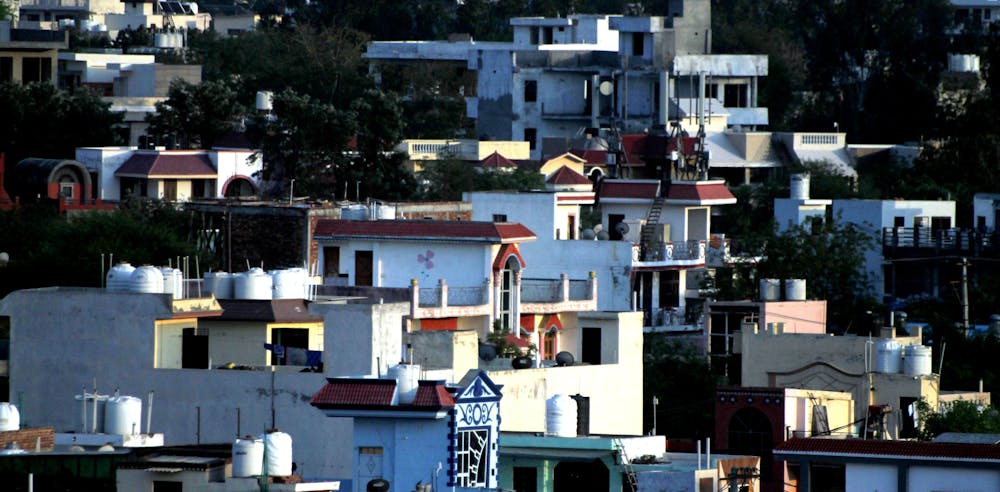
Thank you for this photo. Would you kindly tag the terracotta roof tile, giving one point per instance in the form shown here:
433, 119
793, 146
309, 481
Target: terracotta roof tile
433, 394
167, 164
355, 392
497, 160
425, 230
629, 189
901, 449
700, 191
566, 176
597, 157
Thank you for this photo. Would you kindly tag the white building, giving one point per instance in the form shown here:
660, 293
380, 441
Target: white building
172, 175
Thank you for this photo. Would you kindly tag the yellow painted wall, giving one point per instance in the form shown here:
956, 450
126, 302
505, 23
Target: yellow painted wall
570, 160
168, 342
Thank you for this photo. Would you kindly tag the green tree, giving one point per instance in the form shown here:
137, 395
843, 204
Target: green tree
682, 381
378, 166
958, 416
6, 11
196, 114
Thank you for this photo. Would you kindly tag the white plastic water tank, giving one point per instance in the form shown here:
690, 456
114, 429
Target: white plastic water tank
560, 416
265, 100
888, 356
252, 284
193, 6
279, 453
147, 279
220, 284
173, 282
917, 361
248, 457
160, 40
354, 212
288, 284
120, 277
795, 289
407, 378
955, 62
384, 212
86, 25
304, 280
123, 415
65, 23
100, 27
10, 418
799, 186
770, 289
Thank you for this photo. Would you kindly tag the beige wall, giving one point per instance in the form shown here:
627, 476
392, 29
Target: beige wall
167, 342
239, 342
18, 63
571, 161
799, 405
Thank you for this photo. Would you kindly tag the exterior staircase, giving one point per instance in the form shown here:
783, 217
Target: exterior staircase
647, 235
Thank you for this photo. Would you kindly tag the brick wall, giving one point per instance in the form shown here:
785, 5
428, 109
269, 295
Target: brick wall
27, 439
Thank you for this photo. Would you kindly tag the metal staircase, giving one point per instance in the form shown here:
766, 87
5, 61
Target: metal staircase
623, 461
647, 235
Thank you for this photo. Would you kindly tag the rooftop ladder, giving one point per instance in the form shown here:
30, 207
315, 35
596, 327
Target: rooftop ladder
631, 483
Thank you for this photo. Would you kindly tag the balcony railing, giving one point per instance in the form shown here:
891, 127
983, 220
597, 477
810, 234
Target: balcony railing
678, 253
930, 240
77, 4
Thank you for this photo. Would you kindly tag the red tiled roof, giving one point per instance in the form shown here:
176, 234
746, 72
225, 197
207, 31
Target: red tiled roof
433, 394
700, 191
497, 160
425, 230
598, 157
355, 392
629, 189
566, 176
167, 164
900, 449
517, 341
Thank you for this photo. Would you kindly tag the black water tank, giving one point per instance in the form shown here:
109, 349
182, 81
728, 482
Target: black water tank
582, 415
378, 485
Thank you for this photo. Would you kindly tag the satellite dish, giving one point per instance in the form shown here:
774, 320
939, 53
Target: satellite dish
621, 228
487, 351
603, 236
588, 234
564, 359
606, 88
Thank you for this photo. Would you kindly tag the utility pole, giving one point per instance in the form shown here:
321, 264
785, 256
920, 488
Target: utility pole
965, 295
655, 401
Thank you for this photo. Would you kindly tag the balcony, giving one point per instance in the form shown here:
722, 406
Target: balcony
55, 4
663, 255
561, 113
543, 296
926, 241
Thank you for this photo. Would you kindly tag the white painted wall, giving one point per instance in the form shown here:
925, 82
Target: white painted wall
936, 479
870, 478
789, 212
533, 210
361, 339
985, 205
395, 263
229, 163
105, 160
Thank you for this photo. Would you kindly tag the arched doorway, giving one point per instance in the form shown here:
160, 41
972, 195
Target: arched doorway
572, 476
750, 433
239, 186
508, 286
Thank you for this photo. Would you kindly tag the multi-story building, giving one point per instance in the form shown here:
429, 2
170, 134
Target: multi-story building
29, 55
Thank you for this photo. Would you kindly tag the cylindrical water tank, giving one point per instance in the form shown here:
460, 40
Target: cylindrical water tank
288, 284
248, 457
173, 282
279, 454
407, 378
560, 416
888, 356
123, 415
917, 361
975, 63
265, 100
955, 63
253, 284
86, 25
160, 40
799, 186
10, 418
219, 284
795, 289
147, 279
770, 289
120, 277
384, 212
354, 212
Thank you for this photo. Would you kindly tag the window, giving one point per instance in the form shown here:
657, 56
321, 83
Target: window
66, 190
294, 343
613, 221
194, 348
736, 96
590, 352
530, 135
165, 486
530, 90
363, 269
550, 346
472, 458
571, 227
6, 68
638, 43
170, 190
331, 261
499, 217
898, 222
35, 69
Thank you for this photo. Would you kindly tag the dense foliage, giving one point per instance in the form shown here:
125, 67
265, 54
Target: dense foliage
958, 416
684, 385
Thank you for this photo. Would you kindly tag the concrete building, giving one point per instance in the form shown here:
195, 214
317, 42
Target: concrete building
171, 175
473, 151
52, 15
157, 14
29, 55
904, 466
560, 75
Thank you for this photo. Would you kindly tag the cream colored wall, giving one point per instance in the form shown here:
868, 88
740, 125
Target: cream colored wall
239, 342
615, 389
799, 409
168, 342
568, 160
18, 63
798, 316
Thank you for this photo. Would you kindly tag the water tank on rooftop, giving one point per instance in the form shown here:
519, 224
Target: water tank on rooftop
770, 289
86, 25
354, 212
147, 279
888, 356
219, 284
795, 289
120, 277
407, 378
265, 100
917, 361
123, 415
248, 457
279, 454
252, 284
799, 186
10, 418
560, 416
173, 282
289, 284
383, 212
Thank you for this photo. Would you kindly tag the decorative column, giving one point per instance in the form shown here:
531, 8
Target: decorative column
414, 297
443, 302
515, 300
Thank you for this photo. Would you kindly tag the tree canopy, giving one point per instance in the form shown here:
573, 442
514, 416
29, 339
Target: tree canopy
196, 114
